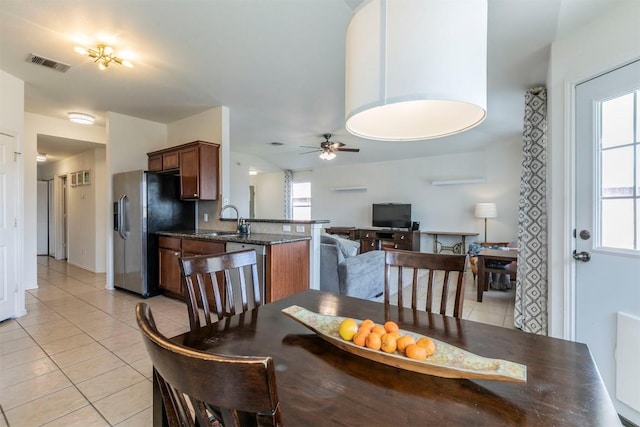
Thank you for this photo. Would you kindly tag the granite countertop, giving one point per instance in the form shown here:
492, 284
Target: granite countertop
230, 236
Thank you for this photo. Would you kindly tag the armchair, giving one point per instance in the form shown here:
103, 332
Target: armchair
344, 271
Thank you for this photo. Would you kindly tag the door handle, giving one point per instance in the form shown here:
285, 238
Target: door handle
582, 256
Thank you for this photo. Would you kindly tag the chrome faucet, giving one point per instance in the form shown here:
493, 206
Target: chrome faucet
237, 214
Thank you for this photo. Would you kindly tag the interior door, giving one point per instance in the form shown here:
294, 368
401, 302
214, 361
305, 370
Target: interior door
608, 230
8, 217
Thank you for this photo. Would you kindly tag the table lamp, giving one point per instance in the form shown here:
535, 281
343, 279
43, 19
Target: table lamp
486, 210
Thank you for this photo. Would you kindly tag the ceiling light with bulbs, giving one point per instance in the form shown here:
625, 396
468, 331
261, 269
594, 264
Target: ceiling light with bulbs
104, 55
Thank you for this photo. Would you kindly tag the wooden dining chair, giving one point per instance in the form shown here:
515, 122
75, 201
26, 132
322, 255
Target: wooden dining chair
423, 267
221, 390
208, 280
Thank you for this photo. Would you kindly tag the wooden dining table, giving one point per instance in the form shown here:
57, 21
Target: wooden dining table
322, 385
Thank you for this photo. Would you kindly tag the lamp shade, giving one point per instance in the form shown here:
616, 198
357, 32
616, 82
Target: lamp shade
416, 69
486, 210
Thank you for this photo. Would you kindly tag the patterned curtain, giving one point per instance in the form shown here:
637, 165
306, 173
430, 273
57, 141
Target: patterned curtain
288, 181
531, 286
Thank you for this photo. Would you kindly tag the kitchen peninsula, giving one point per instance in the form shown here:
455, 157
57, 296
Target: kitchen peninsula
283, 258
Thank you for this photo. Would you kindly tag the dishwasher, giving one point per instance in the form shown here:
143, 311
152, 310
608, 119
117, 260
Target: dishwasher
261, 252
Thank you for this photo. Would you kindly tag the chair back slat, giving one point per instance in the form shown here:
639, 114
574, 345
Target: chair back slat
423, 267
232, 389
209, 277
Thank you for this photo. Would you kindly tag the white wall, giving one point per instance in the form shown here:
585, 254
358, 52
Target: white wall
269, 198
437, 208
610, 41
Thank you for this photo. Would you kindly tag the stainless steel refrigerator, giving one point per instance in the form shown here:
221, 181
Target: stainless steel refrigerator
144, 202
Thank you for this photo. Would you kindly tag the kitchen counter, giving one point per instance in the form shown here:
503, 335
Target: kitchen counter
229, 236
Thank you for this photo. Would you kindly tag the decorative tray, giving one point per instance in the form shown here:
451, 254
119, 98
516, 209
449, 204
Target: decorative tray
448, 361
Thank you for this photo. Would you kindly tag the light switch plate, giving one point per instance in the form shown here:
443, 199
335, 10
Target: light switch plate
299, 228
286, 228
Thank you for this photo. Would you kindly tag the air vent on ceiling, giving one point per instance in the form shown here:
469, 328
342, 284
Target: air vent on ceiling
49, 63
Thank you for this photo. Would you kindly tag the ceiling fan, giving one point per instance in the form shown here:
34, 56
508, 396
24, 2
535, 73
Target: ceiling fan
329, 149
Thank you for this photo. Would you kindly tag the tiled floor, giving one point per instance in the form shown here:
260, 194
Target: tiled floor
77, 359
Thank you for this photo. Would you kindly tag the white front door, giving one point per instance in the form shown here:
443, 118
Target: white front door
607, 236
8, 229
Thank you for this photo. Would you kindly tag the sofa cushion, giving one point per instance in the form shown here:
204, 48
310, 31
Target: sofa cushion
348, 248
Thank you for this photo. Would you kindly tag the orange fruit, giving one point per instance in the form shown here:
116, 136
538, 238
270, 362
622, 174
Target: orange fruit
391, 326
347, 329
378, 330
366, 325
360, 338
414, 351
427, 344
373, 341
388, 343
404, 341
396, 334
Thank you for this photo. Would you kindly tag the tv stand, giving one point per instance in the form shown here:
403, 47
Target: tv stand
371, 239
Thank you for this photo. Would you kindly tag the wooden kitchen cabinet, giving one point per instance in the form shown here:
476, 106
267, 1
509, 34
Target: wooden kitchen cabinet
286, 270
169, 252
198, 164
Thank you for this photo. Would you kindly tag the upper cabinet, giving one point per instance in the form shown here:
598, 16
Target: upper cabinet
198, 165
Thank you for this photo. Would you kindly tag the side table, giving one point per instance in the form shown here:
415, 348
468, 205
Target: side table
458, 248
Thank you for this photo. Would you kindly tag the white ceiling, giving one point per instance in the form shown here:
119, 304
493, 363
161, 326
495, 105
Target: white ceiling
277, 64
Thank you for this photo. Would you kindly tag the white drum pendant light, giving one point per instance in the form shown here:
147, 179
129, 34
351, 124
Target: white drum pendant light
416, 69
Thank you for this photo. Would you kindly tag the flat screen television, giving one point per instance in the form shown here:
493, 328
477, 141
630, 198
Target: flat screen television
391, 215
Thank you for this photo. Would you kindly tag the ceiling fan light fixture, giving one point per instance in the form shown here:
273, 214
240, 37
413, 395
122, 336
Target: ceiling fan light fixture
327, 155
81, 118
416, 70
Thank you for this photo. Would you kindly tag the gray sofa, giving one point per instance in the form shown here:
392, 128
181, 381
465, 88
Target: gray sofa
344, 271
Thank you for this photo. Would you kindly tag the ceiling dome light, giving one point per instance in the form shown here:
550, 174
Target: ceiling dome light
81, 118
41, 157
416, 69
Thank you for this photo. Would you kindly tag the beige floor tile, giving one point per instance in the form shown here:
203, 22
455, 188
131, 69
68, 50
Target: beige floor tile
144, 418
47, 408
22, 356
93, 367
48, 335
110, 382
79, 354
68, 343
35, 388
143, 366
9, 325
132, 353
126, 403
13, 334
7, 347
123, 340
489, 318
16, 374
86, 416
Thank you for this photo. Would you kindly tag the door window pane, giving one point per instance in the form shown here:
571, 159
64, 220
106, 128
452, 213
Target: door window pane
617, 121
619, 173
617, 225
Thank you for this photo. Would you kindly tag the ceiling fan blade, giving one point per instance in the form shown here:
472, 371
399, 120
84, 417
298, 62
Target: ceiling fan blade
312, 151
348, 150
307, 146
336, 145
